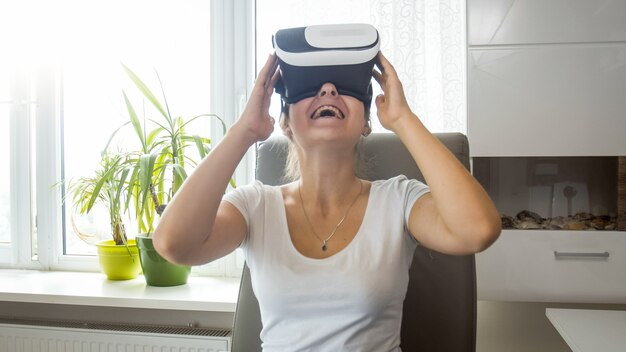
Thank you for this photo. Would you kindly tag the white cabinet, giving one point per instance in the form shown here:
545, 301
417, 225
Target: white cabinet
547, 79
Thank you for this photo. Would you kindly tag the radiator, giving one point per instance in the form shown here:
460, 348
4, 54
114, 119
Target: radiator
47, 336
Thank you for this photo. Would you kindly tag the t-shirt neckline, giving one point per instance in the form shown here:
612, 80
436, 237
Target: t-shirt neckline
339, 254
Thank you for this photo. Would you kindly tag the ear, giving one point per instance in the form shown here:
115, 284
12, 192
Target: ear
283, 122
287, 132
367, 129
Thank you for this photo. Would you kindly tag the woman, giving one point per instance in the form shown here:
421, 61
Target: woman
329, 253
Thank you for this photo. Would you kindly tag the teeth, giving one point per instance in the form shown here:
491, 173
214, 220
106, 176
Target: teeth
327, 111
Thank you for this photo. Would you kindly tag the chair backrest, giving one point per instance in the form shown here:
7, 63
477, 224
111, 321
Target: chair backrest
440, 305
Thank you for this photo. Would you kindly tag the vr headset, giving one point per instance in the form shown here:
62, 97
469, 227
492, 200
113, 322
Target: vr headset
342, 54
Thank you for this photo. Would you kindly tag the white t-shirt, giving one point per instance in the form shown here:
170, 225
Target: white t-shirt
351, 301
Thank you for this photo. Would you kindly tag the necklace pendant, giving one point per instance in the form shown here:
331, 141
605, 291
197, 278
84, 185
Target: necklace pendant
324, 247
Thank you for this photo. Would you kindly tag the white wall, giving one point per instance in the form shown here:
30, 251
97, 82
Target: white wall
522, 326
516, 327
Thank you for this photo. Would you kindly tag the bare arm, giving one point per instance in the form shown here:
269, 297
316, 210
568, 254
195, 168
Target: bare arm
197, 227
457, 217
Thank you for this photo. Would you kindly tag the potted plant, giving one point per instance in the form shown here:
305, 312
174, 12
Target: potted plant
159, 169
119, 257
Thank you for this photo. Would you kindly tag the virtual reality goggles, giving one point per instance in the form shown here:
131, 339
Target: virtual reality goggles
342, 54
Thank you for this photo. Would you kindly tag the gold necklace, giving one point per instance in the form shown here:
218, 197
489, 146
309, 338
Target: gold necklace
324, 242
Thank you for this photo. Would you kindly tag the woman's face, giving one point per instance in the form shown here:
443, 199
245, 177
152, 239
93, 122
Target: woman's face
327, 116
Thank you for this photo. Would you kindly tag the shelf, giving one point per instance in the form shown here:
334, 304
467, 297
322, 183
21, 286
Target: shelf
93, 289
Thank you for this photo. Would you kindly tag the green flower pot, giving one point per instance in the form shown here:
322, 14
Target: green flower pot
158, 271
119, 262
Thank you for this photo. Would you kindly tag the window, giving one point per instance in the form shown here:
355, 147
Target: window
63, 120
164, 37
165, 43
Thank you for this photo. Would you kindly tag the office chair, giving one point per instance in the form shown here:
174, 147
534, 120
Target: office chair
439, 312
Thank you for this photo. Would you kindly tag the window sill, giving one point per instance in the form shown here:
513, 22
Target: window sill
214, 294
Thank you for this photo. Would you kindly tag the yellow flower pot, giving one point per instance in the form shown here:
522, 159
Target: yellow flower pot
119, 262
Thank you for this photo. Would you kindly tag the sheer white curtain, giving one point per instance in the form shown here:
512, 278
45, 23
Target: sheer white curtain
424, 40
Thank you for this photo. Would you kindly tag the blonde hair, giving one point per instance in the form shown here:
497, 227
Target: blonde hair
292, 166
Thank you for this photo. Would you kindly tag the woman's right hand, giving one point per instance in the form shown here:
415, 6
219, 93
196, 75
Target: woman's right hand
255, 121
392, 105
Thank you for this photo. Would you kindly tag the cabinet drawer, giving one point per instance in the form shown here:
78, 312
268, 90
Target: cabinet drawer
590, 267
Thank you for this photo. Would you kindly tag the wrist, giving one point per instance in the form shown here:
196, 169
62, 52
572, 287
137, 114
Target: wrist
241, 132
402, 123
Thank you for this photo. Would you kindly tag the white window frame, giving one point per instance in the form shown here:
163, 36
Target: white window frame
7, 255
18, 252
232, 75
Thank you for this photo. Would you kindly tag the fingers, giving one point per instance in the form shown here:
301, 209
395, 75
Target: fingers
380, 99
272, 82
385, 67
273, 73
379, 78
378, 60
382, 63
268, 70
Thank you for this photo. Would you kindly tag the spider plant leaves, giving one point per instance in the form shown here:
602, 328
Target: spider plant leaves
142, 182
180, 175
107, 176
161, 167
146, 171
152, 137
133, 186
122, 181
143, 88
106, 147
108, 187
210, 115
135, 121
200, 145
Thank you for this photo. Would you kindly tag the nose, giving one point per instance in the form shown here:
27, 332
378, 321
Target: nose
328, 89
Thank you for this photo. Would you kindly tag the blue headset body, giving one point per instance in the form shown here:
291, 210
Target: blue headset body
342, 54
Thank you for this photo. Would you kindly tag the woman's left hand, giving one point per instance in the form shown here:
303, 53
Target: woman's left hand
392, 105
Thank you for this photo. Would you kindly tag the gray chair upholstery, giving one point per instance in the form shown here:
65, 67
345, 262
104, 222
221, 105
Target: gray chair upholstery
440, 305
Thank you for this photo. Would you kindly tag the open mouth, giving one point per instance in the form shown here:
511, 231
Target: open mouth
327, 111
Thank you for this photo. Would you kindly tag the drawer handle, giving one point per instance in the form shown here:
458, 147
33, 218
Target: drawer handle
602, 255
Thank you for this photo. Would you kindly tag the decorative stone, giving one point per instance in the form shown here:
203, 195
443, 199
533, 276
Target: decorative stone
527, 220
